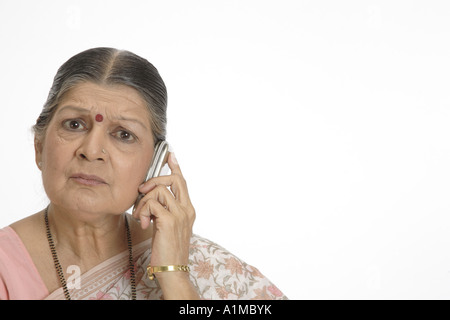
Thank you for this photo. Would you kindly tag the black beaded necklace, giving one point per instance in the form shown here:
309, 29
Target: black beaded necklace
59, 269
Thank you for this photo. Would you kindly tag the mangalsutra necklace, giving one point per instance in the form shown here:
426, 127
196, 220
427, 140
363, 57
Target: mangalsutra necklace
59, 269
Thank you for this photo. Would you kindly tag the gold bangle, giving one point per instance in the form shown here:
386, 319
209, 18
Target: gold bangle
152, 270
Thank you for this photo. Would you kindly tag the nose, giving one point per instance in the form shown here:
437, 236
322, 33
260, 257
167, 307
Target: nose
92, 147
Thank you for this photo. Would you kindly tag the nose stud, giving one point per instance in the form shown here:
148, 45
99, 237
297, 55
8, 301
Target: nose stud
103, 151
99, 118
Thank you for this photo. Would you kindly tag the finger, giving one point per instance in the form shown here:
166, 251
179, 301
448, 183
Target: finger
173, 164
152, 209
175, 169
147, 186
179, 187
155, 200
167, 199
175, 181
141, 215
160, 194
145, 222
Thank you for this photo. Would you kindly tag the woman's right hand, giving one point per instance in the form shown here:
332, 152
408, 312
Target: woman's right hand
173, 215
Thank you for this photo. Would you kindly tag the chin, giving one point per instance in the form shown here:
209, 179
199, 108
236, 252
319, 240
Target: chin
88, 202
88, 207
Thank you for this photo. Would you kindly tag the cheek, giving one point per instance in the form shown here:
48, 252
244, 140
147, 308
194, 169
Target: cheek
55, 157
54, 179
130, 174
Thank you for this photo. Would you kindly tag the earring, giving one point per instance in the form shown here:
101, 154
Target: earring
39, 164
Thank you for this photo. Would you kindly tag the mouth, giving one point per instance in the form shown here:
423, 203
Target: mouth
87, 180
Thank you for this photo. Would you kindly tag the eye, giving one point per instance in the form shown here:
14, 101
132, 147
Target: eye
124, 136
74, 125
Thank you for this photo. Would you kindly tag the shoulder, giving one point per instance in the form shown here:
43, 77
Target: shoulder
8, 246
11, 247
208, 256
18, 277
31, 231
28, 227
219, 274
12, 252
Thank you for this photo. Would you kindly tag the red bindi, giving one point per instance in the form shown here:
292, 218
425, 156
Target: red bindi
99, 118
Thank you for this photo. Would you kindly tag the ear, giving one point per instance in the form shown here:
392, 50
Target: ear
38, 151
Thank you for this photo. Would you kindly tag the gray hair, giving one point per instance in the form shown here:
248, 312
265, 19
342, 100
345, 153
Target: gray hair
109, 66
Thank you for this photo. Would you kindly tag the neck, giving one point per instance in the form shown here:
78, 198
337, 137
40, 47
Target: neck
86, 239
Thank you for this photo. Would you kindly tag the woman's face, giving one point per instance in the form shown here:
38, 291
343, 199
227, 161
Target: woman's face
97, 149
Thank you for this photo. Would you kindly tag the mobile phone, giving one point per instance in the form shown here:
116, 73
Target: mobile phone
159, 159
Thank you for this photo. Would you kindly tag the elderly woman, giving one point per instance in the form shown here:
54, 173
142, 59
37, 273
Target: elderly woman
94, 142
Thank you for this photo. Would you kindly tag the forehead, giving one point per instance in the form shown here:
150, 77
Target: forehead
112, 99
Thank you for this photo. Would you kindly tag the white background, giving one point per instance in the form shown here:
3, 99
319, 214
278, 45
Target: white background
314, 135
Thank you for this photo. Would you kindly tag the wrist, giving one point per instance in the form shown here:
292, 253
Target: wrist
172, 277
154, 271
176, 285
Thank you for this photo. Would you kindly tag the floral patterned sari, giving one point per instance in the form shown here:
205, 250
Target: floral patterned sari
215, 272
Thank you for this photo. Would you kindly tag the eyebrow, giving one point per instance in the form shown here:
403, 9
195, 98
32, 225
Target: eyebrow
74, 108
86, 111
121, 118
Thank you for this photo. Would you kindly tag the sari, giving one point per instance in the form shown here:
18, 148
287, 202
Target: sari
216, 274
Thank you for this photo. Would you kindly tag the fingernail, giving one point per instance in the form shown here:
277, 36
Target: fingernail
141, 187
145, 188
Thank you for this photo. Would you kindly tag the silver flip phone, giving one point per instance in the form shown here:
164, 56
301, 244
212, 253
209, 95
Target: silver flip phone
158, 161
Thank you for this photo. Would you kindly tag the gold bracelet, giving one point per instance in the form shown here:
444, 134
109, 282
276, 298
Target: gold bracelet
152, 270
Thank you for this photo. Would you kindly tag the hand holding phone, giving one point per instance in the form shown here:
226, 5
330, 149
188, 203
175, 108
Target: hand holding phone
167, 209
158, 161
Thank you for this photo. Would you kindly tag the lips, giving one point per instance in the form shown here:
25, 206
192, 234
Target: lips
87, 179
